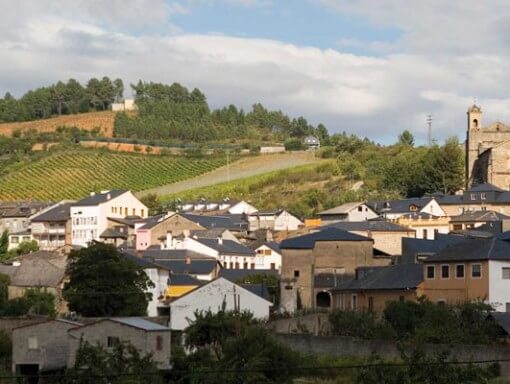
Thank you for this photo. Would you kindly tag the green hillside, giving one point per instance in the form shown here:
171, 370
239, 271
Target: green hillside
73, 174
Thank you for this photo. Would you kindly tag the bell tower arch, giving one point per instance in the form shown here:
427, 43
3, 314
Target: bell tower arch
473, 139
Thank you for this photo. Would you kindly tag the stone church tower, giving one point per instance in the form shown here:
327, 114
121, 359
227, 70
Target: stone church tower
487, 151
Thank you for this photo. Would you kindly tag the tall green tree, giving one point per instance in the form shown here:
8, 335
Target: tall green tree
406, 138
103, 283
4, 242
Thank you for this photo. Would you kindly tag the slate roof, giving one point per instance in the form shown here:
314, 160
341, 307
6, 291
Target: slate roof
482, 216
99, 198
228, 247
374, 226
341, 209
141, 262
138, 322
152, 221
21, 208
172, 254
273, 245
399, 206
183, 279
61, 212
237, 274
211, 221
213, 233
128, 220
412, 247
257, 289
112, 233
418, 215
485, 187
41, 268
475, 249
329, 280
394, 277
326, 234
502, 319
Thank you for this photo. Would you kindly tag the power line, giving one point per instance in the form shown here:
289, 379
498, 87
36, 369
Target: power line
429, 132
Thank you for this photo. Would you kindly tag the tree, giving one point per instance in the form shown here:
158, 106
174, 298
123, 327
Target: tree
34, 302
151, 201
123, 364
406, 138
103, 283
4, 242
26, 247
118, 86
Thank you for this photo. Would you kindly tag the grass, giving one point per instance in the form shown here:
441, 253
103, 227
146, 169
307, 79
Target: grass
73, 174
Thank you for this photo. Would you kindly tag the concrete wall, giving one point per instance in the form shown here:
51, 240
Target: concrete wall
346, 346
144, 341
52, 345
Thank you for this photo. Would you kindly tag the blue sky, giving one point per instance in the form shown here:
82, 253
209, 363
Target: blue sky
369, 67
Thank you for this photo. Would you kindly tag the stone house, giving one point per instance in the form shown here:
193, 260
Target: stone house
479, 219
15, 215
41, 347
330, 253
373, 287
144, 335
426, 226
51, 227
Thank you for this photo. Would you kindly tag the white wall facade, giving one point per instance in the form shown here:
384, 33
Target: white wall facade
160, 279
211, 297
499, 288
88, 222
361, 213
433, 208
286, 221
428, 231
266, 258
242, 207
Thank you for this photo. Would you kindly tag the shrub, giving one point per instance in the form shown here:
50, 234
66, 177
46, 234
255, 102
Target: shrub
294, 145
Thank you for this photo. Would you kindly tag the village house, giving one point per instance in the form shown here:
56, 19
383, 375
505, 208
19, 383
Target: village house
415, 251
312, 142
16, 238
279, 220
425, 225
387, 236
268, 256
90, 215
15, 216
147, 337
51, 227
373, 287
478, 219
396, 208
330, 251
155, 229
41, 347
214, 296
356, 211
474, 269
179, 284
232, 222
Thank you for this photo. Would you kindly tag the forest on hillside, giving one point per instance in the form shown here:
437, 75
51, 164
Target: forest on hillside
61, 99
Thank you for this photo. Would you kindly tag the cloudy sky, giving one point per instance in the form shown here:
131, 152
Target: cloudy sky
371, 67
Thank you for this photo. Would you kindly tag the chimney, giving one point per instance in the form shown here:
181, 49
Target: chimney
220, 240
162, 244
269, 235
186, 233
188, 260
169, 240
108, 196
92, 193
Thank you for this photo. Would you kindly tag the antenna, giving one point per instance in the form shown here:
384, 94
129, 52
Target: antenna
429, 134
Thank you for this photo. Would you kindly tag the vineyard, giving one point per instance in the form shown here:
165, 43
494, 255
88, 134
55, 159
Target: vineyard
73, 174
88, 121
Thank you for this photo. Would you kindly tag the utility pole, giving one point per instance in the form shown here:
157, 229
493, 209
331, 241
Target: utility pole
228, 165
429, 133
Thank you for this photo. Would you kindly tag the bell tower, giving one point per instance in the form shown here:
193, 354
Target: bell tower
473, 139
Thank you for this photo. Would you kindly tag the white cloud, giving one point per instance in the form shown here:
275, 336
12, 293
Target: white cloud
447, 54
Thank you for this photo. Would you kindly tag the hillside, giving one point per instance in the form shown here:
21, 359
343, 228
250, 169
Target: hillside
304, 190
87, 121
73, 174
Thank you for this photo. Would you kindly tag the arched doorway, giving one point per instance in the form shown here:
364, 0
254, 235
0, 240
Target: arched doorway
323, 300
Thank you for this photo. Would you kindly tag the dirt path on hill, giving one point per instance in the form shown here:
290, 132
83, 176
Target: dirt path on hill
247, 167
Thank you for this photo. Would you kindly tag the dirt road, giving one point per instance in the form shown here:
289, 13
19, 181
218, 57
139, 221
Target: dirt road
240, 169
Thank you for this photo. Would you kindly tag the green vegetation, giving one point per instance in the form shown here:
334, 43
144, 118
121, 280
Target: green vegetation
73, 174
420, 322
34, 302
61, 99
171, 112
103, 283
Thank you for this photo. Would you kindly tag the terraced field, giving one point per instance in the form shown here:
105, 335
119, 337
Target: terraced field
73, 174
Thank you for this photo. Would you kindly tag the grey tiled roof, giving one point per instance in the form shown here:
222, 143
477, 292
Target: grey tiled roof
61, 212
394, 277
502, 319
227, 247
99, 198
475, 249
138, 322
326, 234
374, 226
196, 267
483, 216
183, 279
237, 274
399, 206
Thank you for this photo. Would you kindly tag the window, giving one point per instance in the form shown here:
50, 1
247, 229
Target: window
457, 227
354, 302
459, 271
360, 209
237, 265
425, 234
142, 212
267, 252
159, 343
133, 212
483, 196
431, 271
15, 239
445, 271
245, 265
252, 266
32, 342
473, 196
273, 266
125, 211
370, 303
476, 271
26, 238
112, 341
296, 273
506, 273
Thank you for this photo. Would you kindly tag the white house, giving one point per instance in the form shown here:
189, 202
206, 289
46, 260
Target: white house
396, 208
89, 217
242, 207
213, 296
279, 220
268, 256
356, 211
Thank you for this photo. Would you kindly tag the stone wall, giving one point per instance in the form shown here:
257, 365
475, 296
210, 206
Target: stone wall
347, 346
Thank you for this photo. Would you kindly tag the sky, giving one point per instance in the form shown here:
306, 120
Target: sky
369, 67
